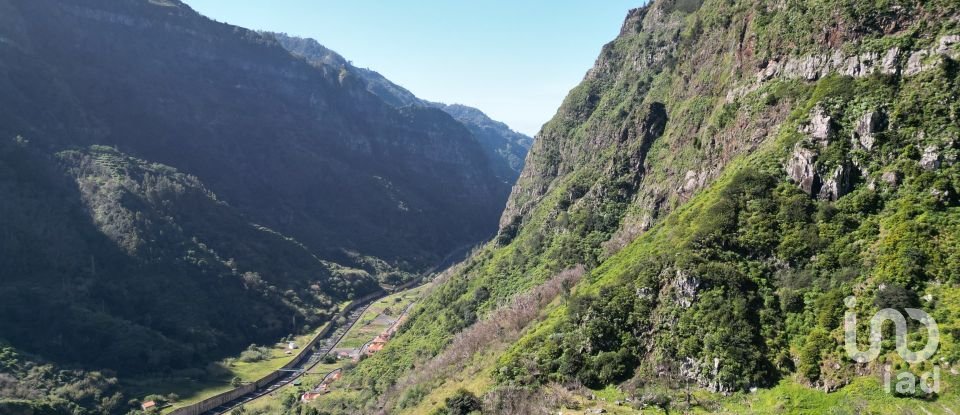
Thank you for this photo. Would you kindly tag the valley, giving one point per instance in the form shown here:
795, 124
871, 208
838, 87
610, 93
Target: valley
305, 363
743, 206
376, 325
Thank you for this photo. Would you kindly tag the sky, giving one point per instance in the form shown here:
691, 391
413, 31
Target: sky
515, 60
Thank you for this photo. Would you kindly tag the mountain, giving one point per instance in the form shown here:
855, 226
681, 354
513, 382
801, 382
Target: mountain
173, 189
504, 147
689, 225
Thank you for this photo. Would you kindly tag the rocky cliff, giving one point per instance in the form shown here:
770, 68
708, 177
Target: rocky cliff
728, 172
505, 148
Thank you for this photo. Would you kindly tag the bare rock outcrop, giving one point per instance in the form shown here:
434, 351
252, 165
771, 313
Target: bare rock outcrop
815, 66
867, 126
801, 168
838, 184
930, 160
890, 65
946, 43
821, 126
891, 178
686, 288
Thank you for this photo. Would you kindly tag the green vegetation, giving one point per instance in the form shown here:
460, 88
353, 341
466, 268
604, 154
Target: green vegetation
387, 309
193, 189
255, 354
757, 281
370, 324
670, 175
32, 388
737, 277
463, 402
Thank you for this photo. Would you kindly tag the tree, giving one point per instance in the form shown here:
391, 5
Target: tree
463, 402
818, 342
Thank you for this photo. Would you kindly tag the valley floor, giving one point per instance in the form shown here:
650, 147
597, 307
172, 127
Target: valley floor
190, 389
374, 326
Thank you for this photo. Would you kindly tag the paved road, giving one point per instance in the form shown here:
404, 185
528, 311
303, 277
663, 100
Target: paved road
322, 350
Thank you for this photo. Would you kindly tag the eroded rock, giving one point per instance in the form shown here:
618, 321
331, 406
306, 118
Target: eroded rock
821, 126
915, 63
930, 160
891, 178
891, 62
838, 184
685, 288
867, 126
801, 168
946, 43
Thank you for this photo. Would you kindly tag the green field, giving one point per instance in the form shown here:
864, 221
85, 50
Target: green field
192, 389
366, 328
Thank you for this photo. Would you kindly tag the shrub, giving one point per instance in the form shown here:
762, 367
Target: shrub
896, 297
462, 402
818, 342
255, 353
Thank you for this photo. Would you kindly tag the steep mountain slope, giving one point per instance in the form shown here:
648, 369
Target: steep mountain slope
729, 171
173, 189
140, 254
504, 147
509, 148
282, 136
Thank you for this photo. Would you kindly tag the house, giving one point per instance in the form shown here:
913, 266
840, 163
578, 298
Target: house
148, 405
375, 347
309, 396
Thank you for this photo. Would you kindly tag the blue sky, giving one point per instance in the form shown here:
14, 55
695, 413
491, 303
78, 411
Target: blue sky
515, 60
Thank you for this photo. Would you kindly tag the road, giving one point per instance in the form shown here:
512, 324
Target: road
324, 348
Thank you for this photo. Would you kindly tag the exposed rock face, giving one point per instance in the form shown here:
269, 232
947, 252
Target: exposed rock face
813, 67
821, 126
692, 181
946, 43
890, 64
838, 184
866, 128
801, 168
940, 195
505, 148
861, 65
930, 160
891, 178
915, 63
685, 288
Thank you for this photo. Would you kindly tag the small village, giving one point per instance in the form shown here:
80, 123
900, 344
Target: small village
356, 354
366, 334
